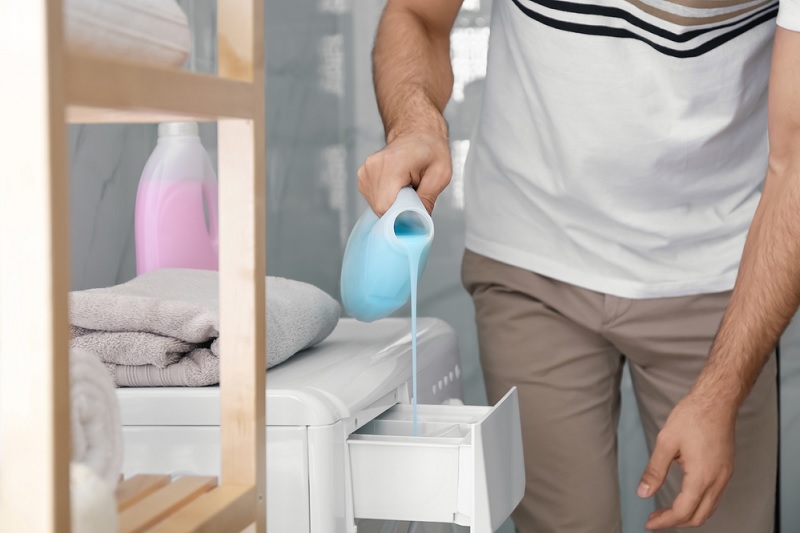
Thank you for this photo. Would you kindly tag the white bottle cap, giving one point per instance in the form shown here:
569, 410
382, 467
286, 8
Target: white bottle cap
177, 128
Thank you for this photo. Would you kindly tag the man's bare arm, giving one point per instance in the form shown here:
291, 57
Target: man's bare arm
699, 431
413, 81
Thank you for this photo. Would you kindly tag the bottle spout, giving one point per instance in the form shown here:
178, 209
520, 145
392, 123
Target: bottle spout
413, 224
408, 218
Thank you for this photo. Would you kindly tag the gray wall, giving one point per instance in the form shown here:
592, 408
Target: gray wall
322, 122
105, 162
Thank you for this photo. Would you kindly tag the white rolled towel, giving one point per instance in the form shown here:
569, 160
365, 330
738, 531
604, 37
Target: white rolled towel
96, 428
94, 508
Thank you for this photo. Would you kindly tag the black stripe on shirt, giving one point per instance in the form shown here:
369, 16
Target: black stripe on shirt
615, 12
605, 31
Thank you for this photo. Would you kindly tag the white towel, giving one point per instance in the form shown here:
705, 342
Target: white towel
96, 427
93, 505
150, 31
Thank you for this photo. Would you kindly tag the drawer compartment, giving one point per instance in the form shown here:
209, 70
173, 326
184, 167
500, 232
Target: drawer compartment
465, 466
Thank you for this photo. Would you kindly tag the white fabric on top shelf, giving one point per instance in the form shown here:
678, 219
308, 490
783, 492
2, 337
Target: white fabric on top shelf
96, 427
151, 31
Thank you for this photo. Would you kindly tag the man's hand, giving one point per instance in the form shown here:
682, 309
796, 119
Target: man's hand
420, 160
700, 437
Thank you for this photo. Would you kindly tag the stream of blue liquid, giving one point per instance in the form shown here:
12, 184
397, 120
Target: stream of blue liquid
414, 244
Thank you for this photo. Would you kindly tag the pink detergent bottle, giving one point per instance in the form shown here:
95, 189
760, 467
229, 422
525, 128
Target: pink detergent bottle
176, 204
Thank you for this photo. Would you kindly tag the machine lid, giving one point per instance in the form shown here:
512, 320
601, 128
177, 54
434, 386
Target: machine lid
354, 367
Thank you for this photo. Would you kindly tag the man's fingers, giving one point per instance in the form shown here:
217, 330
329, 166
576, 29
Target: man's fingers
656, 470
417, 160
684, 507
702, 443
704, 510
655, 516
379, 183
432, 184
708, 505
428, 198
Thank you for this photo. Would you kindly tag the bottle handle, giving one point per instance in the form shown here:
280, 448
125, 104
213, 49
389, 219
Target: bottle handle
211, 201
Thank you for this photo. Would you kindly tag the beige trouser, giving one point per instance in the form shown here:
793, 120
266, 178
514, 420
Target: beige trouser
563, 347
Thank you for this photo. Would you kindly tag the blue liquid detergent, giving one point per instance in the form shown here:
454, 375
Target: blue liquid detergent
382, 263
414, 240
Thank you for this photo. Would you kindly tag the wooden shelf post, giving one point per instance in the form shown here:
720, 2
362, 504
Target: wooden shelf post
34, 272
35, 99
240, 44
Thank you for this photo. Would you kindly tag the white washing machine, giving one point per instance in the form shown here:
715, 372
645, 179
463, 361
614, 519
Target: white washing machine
341, 454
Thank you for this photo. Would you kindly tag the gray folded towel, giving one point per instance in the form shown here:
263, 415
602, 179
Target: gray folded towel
198, 368
165, 324
131, 347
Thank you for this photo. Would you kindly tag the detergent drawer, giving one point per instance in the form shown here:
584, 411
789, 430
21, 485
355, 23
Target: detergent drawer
465, 466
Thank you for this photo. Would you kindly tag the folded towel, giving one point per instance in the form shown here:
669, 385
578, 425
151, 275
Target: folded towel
166, 313
197, 369
96, 428
299, 316
131, 347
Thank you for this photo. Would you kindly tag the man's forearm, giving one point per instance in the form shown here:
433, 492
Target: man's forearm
767, 291
412, 72
413, 80
765, 298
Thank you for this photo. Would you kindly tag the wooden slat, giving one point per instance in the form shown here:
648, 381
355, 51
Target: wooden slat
34, 272
228, 508
152, 92
158, 505
242, 256
136, 488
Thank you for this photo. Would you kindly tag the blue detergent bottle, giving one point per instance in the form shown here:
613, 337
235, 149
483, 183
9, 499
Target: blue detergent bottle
380, 257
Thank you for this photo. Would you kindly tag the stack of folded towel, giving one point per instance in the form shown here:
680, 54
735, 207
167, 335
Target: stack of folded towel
162, 328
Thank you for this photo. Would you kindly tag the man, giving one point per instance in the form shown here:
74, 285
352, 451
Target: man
617, 164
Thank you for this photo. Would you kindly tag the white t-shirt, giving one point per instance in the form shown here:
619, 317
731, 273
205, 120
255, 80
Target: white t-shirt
622, 144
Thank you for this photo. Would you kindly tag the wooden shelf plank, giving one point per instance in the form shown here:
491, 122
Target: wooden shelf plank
226, 508
101, 90
136, 488
163, 502
97, 115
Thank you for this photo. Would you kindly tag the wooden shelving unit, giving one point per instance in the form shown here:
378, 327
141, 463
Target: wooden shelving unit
41, 90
